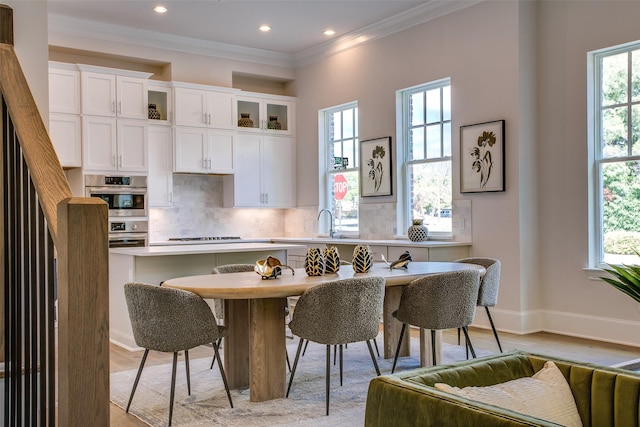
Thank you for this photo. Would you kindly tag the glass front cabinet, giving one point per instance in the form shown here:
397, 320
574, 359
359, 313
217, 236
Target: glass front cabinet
266, 114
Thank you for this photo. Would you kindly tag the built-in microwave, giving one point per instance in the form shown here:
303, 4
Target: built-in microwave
124, 195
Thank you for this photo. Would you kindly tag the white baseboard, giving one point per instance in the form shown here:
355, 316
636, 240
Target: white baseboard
577, 325
125, 341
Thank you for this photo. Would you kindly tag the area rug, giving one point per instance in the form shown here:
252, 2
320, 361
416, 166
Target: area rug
208, 404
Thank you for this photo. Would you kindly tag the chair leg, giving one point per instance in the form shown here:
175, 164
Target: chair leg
222, 373
466, 336
328, 375
295, 364
433, 347
305, 348
375, 362
335, 353
173, 384
458, 336
135, 383
340, 364
395, 359
375, 342
286, 355
214, 355
495, 333
186, 364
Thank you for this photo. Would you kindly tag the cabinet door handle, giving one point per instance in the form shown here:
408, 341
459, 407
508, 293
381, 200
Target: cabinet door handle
209, 163
113, 160
204, 163
113, 107
209, 118
119, 107
204, 118
119, 161
266, 198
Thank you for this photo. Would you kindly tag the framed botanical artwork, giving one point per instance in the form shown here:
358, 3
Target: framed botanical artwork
375, 167
482, 157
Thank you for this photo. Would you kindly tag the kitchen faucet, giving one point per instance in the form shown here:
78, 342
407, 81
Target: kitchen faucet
331, 232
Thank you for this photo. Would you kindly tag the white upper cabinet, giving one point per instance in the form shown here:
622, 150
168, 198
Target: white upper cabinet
114, 95
114, 145
160, 178
64, 88
264, 172
66, 134
200, 107
266, 114
200, 150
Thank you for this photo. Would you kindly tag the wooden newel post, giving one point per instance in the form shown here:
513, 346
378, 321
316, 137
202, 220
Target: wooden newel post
6, 24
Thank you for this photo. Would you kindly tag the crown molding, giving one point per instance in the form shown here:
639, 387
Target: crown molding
92, 30
415, 16
65, 26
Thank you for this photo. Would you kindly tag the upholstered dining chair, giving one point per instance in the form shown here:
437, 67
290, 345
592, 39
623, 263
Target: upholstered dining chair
337, 313
239, 268
436, 302
489, 285
171, 320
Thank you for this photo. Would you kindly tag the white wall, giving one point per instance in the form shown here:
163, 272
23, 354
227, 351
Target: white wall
524, 62
31, 46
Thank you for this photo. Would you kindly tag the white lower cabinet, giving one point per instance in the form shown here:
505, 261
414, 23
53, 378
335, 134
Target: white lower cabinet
66, 134
160, 178
114, 144
199, 150
264, 173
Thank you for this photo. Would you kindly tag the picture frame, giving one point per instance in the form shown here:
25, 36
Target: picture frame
375, 167
482, 163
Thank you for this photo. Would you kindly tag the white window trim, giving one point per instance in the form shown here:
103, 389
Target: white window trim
323, 191
403, 214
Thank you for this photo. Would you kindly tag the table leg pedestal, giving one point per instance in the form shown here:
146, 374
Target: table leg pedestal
267, 349
391, 326
425, 347
236, 345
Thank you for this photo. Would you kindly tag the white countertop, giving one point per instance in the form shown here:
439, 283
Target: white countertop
183, 249
390, 242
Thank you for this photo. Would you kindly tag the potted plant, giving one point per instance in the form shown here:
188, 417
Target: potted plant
626, 279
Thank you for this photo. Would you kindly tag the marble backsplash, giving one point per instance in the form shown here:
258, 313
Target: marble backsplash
198, 211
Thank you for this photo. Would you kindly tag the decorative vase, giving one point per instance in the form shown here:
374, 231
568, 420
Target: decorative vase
245, 120
274, 123
314, 262
418, 232
331, 259
362, 259
153, 114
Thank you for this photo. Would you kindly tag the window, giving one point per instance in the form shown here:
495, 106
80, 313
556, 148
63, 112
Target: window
341, 189
426, 147
615, 149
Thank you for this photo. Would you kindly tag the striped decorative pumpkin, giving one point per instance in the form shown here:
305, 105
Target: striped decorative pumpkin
314, 262
362, 259
331, 259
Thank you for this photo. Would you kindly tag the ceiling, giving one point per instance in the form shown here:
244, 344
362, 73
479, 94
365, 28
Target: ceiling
297, 25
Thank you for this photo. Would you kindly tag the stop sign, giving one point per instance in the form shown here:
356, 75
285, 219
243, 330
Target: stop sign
340, 187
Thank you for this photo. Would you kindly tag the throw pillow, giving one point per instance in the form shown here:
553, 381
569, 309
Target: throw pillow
545, 395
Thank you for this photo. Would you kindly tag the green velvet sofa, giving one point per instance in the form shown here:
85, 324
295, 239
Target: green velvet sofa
605, 397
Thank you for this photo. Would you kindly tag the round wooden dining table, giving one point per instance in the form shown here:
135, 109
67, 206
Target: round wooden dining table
254, 312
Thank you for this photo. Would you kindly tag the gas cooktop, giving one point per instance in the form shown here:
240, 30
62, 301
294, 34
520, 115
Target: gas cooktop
200, 239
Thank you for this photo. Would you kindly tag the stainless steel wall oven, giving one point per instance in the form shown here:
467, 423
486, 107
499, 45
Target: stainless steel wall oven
126, 197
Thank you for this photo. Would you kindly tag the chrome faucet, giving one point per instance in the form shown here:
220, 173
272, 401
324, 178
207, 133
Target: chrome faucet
331, 232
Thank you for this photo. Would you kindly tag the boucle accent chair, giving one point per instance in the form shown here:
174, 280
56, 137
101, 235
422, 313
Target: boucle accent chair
171, 320
337, 313
604, 396
439, 301
489, 285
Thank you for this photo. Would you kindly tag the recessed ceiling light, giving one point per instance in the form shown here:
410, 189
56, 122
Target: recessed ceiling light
160, 9
264, 28
329, 32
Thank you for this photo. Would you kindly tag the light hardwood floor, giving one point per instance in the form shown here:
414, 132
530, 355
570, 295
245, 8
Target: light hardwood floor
545, 343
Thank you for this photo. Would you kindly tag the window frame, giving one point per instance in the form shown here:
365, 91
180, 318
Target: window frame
326, 166
595, 158
403, 96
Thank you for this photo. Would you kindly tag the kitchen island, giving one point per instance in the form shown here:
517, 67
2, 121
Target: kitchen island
155, 264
